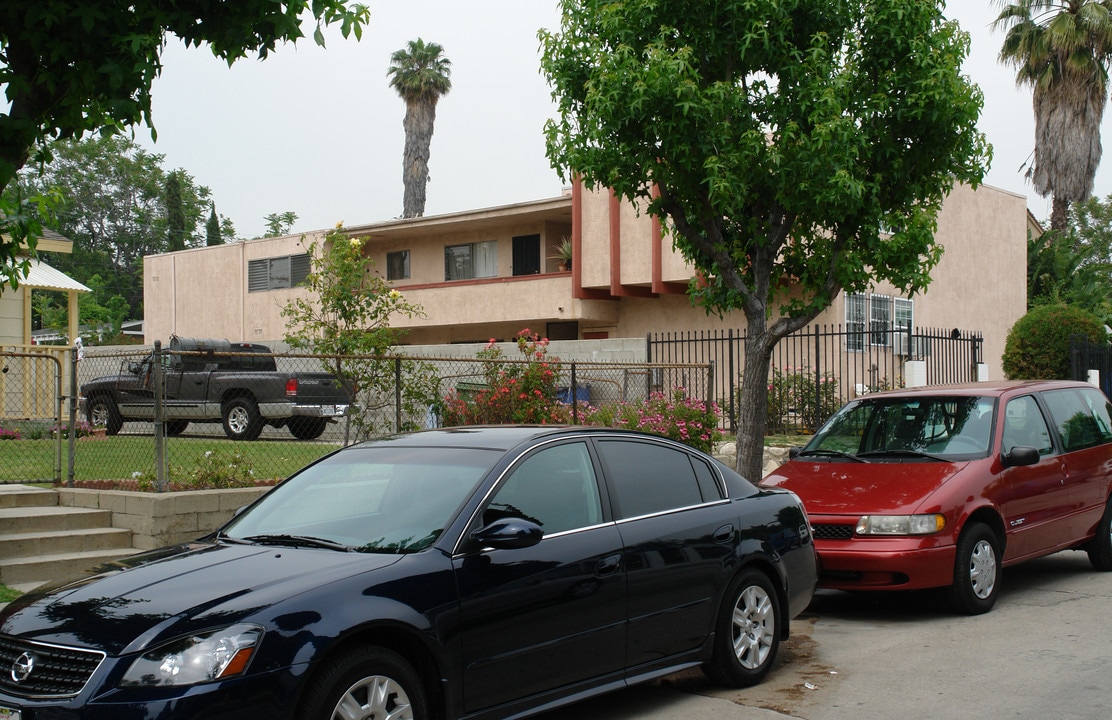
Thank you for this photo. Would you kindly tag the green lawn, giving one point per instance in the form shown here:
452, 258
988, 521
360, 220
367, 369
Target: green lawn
7, 594
121, 457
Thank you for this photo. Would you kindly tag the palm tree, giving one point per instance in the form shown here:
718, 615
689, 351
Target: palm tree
420, 74
1062, 49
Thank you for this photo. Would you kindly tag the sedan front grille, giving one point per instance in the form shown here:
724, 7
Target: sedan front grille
834, 532
38, 670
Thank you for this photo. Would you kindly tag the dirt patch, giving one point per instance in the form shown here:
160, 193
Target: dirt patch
796, 682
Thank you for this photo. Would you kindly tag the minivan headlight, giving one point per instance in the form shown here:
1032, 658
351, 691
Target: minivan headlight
199, 658
901, 524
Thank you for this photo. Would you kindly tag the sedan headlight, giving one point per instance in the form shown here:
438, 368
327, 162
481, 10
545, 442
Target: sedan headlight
204, 657
900, 524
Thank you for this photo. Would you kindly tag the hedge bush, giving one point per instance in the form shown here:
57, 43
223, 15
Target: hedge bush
1038, 345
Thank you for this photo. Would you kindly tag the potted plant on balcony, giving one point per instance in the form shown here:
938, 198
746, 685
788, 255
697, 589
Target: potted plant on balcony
563, 253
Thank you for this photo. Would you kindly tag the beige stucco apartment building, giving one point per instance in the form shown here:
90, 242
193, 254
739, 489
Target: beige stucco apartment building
489, 273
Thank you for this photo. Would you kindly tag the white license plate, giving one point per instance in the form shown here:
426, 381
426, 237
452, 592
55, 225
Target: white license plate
328, 410
10, 714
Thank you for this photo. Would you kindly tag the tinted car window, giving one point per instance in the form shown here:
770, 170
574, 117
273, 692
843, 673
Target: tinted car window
1102, 411
555, 488
1024, 426
1074, 419
648, 479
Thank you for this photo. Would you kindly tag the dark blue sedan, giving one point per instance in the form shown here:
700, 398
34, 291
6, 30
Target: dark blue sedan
457, 573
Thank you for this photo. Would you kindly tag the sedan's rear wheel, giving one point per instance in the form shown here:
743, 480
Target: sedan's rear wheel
976, 571
1100, 547
368, 682
747, 635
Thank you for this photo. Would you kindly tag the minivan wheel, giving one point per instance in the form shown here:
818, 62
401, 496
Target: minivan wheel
747, 633
976, 571
368, 682
1100, 547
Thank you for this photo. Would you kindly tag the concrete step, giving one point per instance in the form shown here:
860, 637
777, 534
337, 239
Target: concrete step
35, 544
26, 496
33, 571
51, 519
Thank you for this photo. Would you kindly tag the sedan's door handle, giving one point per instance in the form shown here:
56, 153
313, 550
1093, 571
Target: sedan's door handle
608, 566
724, 534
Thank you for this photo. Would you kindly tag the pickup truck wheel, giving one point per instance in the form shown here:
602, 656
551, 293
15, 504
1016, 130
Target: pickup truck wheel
176, 427
104, 413
241, 419
307, 428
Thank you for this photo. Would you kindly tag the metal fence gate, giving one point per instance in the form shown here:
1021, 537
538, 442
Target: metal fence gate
31, 428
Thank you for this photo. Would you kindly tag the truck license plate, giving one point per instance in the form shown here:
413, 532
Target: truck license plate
10, 714
328, 410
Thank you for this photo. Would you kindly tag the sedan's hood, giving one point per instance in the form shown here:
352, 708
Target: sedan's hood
125, 605
850, 488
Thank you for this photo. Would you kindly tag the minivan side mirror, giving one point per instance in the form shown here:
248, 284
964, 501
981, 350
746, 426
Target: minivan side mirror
793, 451
1019, 456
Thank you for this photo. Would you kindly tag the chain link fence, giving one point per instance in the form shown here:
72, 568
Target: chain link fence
233, 414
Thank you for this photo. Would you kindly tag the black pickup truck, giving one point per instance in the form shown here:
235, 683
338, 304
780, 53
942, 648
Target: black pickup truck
234, 383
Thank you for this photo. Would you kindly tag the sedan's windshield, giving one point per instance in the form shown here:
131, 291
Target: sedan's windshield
900, 428
376, 499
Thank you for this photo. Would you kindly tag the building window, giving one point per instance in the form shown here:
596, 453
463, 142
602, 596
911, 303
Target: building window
855, 322
277, 272
880, 320
473, 260
397, 265
874, 319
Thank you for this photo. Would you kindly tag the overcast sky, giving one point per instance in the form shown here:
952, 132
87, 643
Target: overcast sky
319, 131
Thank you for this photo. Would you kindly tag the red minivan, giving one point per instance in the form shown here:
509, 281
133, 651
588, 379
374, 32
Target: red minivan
944, 486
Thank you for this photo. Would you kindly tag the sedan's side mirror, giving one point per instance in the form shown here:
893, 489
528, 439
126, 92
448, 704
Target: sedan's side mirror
1019, 456
509, 534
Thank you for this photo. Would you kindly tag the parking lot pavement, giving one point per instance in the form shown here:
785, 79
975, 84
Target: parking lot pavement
1043, 652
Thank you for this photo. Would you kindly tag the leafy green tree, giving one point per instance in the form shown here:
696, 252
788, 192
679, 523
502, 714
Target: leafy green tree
175, 213
278, 224
212, 228
420, 74
792, 148
346, 317
72, 67
1062, 50
111, 203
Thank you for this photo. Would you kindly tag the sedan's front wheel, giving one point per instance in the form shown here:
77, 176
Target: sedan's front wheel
976, 571
368, 682
747, 635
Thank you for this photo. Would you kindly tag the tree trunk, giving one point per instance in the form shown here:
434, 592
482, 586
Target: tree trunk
418, 124
1059, 214
752, 413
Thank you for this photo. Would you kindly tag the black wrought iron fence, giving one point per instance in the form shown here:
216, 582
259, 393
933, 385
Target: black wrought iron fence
220, 415
1091, 362
816, 370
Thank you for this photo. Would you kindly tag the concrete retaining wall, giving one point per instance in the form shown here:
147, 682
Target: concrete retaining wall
158, 519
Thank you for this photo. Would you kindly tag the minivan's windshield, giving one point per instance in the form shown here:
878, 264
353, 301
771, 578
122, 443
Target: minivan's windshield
376, 499
927, 427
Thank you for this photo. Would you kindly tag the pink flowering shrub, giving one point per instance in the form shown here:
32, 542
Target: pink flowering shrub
9, 434
675, 416
799, 399
526, 391
514, 392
